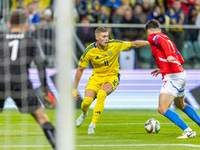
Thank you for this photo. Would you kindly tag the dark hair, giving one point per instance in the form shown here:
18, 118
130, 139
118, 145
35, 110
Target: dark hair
157, 6
152, 24
100, 29
18, 17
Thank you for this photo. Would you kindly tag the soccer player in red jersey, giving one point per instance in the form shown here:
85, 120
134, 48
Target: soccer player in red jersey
169, 62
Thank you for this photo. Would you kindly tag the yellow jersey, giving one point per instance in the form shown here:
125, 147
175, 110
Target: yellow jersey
104, 61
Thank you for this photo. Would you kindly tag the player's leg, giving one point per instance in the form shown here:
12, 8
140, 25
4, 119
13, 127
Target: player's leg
179, 102
43, 120
2, 96
110, 84
87, 101
101, 96
171, 89
188, 132
106, 89
29, 103
85, 106
1, 104
165, 101
91, 89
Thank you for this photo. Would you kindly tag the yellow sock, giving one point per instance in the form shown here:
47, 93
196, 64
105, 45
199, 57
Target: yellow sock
98, 109
85, 105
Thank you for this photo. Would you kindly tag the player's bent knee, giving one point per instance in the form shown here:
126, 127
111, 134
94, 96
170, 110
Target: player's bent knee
183, 106
101, 95
180, 106
161, 110
86, 102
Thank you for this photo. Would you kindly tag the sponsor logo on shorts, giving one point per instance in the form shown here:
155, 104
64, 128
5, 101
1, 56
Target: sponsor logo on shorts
114, 82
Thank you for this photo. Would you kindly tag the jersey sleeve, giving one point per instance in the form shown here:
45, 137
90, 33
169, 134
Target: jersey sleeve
84, 60
179, 57
125, 45
161, 42
39, 59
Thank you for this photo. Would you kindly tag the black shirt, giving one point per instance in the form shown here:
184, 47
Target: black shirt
17, 51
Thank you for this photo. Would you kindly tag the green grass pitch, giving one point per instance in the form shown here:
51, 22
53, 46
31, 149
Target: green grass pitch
116, 130
124, 130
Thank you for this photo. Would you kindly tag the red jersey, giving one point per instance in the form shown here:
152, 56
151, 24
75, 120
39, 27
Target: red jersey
162, 47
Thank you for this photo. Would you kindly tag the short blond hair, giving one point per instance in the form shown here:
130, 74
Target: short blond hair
100, 29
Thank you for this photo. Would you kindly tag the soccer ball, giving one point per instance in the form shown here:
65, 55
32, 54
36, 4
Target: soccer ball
152, 126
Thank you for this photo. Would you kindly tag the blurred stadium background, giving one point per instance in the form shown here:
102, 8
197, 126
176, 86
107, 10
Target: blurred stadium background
125, 20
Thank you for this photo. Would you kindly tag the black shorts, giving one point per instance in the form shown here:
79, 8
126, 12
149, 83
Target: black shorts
25, 98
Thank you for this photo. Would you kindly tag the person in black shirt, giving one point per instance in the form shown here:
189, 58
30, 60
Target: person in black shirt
17, 51
131, 33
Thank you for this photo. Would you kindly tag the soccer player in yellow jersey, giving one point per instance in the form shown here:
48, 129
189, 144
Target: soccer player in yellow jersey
103, 54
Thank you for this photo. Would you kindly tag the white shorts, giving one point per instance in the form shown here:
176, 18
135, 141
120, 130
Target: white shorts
174, 84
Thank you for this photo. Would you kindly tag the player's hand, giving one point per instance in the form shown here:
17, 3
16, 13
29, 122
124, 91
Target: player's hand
170, 59
75, 94
155, 72
49, 100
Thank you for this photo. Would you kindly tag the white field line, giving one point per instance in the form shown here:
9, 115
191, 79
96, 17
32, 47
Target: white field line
25, 145
108, 124
111, 145
132, 145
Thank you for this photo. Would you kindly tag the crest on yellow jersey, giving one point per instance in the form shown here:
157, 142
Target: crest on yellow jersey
110, 52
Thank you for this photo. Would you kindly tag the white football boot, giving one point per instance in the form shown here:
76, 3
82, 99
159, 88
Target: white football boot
80, 120
187, 134
91, 130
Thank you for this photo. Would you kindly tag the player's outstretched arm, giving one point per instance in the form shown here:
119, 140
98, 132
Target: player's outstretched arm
139, 43
77, 78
